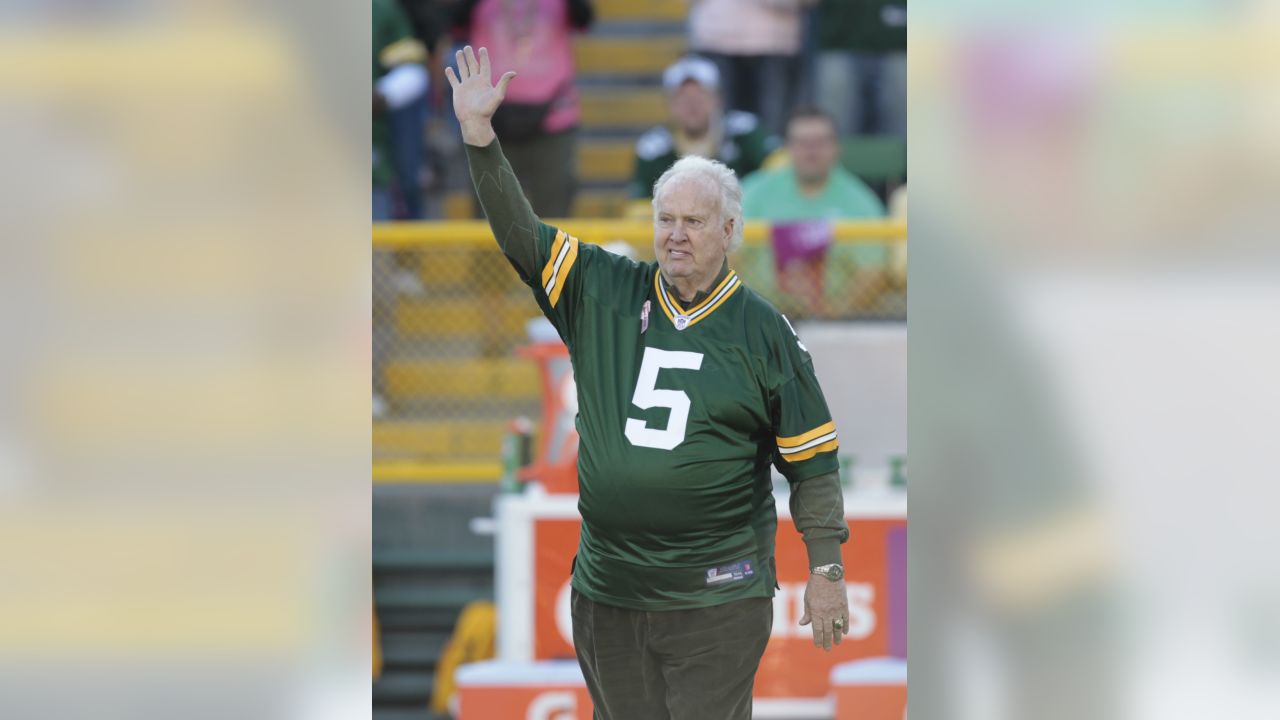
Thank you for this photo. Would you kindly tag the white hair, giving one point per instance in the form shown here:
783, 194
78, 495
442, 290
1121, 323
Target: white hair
721, 177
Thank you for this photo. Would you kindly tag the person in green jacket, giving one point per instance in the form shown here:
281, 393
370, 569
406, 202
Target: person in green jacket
399, 78
698, 126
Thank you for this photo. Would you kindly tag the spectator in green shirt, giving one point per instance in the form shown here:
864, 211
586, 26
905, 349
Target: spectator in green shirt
815, 187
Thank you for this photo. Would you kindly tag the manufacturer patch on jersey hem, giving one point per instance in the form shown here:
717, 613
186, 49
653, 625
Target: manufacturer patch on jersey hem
740, 570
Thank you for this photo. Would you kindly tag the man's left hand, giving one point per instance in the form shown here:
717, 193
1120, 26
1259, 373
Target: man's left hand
826, 602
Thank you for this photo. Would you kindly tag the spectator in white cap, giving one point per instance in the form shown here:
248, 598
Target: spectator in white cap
697, 125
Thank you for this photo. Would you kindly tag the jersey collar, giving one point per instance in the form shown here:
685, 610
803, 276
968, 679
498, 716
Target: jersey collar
683, 318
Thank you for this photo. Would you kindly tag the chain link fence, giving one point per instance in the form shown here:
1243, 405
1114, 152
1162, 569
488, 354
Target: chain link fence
449, 313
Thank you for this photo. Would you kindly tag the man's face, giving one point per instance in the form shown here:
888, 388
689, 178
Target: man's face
691, 107
813, 147
689, 240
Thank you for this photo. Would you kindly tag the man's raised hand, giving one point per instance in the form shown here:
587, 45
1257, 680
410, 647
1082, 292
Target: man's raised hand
475, 97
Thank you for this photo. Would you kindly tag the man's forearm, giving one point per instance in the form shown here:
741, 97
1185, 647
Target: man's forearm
817, 508
510, 216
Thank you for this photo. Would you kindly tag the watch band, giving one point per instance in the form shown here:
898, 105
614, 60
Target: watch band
832, 571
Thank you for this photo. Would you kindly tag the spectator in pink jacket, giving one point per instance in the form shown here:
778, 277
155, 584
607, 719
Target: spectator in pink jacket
538, 123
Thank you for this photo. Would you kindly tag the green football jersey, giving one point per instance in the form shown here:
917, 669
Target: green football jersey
681, 412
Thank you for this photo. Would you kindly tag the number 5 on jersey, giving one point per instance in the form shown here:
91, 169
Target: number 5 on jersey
647, 396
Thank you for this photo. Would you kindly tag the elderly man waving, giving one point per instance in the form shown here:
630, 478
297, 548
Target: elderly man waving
689, 387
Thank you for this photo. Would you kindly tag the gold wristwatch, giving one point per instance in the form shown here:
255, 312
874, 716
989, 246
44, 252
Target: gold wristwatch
832, 572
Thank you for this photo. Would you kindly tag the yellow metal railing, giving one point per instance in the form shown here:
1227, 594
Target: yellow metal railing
446, 471
476, 232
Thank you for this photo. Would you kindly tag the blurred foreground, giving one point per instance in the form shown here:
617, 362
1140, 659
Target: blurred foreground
1092, 372
184, 500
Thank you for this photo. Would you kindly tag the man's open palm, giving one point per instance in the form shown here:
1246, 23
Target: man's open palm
475, 97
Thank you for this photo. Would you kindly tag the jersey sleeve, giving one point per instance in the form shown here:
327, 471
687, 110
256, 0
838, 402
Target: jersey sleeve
394, 40
560, 263
646, 173
653, 155
569, 271
756, 146
805, 435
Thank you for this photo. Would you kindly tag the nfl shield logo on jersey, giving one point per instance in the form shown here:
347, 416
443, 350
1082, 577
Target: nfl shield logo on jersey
682, 322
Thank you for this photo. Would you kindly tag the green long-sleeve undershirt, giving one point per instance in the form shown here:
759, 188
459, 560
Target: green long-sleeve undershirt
510, 215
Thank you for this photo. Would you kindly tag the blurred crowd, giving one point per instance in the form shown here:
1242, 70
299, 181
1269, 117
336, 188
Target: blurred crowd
804, 99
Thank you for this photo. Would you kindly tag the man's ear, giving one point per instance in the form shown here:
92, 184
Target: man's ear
728, 233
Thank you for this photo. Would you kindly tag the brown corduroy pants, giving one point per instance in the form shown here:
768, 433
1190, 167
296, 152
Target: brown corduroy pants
672, 664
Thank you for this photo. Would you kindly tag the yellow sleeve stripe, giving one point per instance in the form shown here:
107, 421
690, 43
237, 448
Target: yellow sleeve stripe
798, 440
564, 253
404, 50
556, 247
564, 272
806, 454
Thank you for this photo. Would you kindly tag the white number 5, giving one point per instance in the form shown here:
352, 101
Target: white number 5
647, 396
